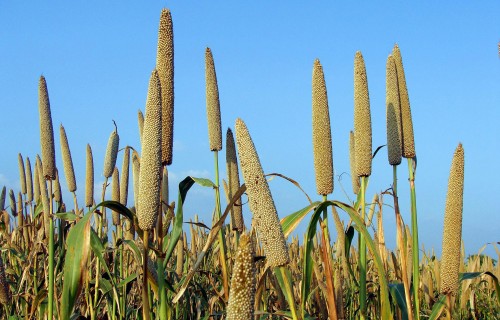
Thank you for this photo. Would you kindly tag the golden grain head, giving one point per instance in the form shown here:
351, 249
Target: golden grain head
352, 160
140, 119
393, 113
260, 199
362, 119
452, 233
321, 131
36, 183
213, 106
233, 181
89, 178
408, 143
22, 173
136, 168
44, 196
46, 132
2, 198
125, 176
242, 294
20, 210
69, 172
115, 194
111, 153
150, 172
29, 181
57, 188
165, 67
13, 207
5, 296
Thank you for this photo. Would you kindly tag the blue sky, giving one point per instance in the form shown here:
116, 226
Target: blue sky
97, 58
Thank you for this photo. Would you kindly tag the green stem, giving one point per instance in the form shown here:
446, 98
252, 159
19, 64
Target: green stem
145, 295
287, 281
51, 256
362, 255
414, 234
161, 278
99, 234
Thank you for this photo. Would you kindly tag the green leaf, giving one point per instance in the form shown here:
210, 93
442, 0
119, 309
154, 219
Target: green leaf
290, 222
203, 182
438, 307
75, 265
397, 291
98, 249
118, 207
68, 216
472, 275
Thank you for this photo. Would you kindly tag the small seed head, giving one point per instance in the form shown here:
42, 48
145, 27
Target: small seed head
22, 173
46, 132
29, 181
393, 113
115, 195
362, 119
111, 153
69, 172
213, 106
89, 178
352, 158
233, 181
5, 295
124, 177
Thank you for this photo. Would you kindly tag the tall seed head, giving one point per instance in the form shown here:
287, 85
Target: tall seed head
44, 196
164, 189
36, 181
242, 294
124, 178
5, 296
260, 199
452, 233
165, 67
322, 135
46, 132
150, 173
89, 178
140, 119
57, 188
111, 153
22, 173
234, 181
115, 194
362, 119
393, 113
408, 144
13, 207
2, 199
69, 172
20, 209
136, 168
352, 160
213, 106
29, 181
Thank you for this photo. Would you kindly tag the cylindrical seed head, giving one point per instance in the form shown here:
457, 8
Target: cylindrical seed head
57, 188
69, 172
140, 118
115, 194
321, 132
362, 119
29, 181
124, 177
129, 229
89, 178
233, 179
260, 199
22, 173
36, 181
242, 294
352, 158
164, 189
2, 199
136, 168
213, 106
408, 143
44, 195
452, 233
393, 113
5, 296
111, 153
13, 207
20, 217
46, 132
165, 67
150, 173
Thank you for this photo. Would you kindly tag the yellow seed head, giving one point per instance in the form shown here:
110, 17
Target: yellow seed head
13, 207
164, 189
69, 172
57, 188
46, 132
5, 296
36, 183
29, 181
452, 233
140, 118
136, 168
260, 199
165, 67
242, 294
129, 229
393, 113
124, 178
44, 195
22, 173
111, 153
150, 173
362, 119
2, 199
89, 178
408, 144
115, 194
20, 217
352, 158
213, 106
322, 135
233, 179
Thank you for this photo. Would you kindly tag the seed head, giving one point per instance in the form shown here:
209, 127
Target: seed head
136, 168
408, 143
57, 188
213, 106
5, 296
2, 199
260, 199
362, 119
165, 67
164, 189
150, 173
13, 207
36, 183
89, 178
124, 178
22, 174
452, 233
115, 194
393, 113
233, 179
69, 172
322, 135
242, 294
29, 181
44, 195
352, 158
140, 118
111, 153
46, 132
20, 217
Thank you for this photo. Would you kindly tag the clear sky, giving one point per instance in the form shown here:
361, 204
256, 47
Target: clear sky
97, 57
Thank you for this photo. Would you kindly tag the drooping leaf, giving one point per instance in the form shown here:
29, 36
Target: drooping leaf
290, 222
438, 307
397, 291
